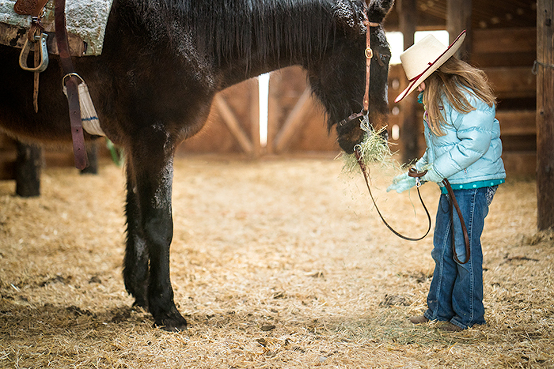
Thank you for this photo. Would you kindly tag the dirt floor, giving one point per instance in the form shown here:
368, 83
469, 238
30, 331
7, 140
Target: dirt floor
275, 263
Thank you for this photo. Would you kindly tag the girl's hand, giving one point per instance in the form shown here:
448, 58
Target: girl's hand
432, 176
402, 183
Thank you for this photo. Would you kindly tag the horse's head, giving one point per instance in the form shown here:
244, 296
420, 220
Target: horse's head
339, 79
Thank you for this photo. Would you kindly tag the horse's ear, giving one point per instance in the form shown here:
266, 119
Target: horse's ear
378, 9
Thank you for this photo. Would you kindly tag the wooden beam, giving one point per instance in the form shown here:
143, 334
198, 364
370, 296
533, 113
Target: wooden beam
255, 118
293, 122
27, 170
458, 18
545, 115
232, 123
410, 129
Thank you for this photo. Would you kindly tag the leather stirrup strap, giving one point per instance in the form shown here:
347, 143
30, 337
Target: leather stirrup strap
79, 151
454, 205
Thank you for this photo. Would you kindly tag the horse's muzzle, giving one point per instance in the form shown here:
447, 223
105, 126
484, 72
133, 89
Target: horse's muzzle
351, 133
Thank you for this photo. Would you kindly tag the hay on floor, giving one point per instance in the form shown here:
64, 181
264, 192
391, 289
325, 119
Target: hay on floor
280, 263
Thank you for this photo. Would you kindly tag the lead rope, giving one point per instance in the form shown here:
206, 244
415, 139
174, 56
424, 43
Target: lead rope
412, 173
454, 204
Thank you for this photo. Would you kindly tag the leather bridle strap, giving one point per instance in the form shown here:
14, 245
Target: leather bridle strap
79, 151
419, 174
368, 56
454, 205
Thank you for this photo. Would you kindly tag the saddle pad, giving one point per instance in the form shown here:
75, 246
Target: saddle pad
86, 19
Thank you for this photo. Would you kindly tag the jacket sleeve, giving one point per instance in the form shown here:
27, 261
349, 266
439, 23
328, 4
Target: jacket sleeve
474, 131
422, 162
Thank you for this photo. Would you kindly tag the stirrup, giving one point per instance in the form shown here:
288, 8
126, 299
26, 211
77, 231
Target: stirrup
43, 53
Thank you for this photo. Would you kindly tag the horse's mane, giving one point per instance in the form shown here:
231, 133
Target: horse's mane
267, 28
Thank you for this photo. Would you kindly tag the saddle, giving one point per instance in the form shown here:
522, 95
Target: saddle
34, 8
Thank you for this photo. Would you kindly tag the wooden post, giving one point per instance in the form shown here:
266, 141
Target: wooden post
545, 115
409, 134
27, 170
458, 18
255, 118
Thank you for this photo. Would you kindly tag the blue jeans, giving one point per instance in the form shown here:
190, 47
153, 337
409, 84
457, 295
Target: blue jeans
456, 292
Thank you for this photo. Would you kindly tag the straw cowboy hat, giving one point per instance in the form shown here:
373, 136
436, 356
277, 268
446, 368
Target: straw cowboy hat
425, 57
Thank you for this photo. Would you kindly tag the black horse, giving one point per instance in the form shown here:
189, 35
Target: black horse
162, 63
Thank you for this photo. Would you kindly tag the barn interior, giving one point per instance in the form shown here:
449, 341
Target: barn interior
501, 40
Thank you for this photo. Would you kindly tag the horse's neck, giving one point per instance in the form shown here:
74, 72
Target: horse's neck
271, 35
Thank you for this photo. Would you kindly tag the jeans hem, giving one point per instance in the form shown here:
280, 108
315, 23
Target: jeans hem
464, 326
431, 318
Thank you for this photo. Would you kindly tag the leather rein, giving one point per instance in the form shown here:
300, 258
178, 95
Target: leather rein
412, 172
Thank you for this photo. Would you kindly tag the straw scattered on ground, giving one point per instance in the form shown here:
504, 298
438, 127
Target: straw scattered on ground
275, 264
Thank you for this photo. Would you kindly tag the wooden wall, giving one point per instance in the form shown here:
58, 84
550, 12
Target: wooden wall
233, 124
507, 56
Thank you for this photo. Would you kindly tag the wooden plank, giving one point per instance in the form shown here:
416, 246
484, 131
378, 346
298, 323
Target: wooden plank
293, 121
232, 123
513, 59
505, 40
516, 123
520, 163
545, 115
519, 143
516, 82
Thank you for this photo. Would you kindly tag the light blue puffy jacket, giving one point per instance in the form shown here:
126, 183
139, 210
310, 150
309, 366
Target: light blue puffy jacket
471, 149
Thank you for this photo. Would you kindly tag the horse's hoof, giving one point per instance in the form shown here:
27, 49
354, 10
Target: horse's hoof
171, 321
141, 303
172, 325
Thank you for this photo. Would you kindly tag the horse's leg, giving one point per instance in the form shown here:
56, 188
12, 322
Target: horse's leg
135, 271
152, 167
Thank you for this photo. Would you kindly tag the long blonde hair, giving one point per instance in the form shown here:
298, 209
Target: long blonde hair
451, 80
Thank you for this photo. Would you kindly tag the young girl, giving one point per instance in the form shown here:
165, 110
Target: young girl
463, 145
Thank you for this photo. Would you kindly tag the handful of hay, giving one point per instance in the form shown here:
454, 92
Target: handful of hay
373, 149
